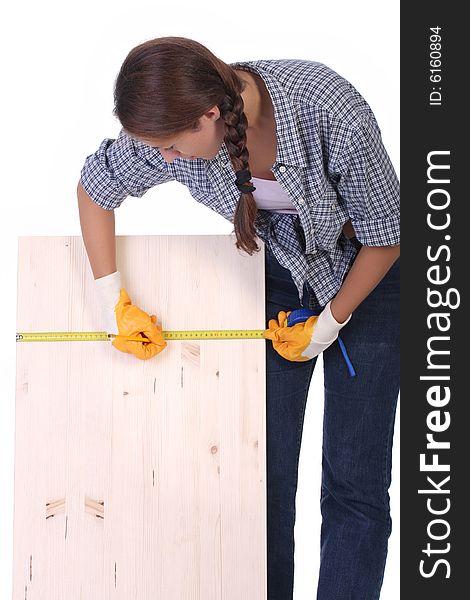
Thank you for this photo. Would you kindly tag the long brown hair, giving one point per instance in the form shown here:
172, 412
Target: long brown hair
163, 88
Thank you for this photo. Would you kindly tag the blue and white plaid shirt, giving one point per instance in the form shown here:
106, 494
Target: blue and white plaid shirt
330, 160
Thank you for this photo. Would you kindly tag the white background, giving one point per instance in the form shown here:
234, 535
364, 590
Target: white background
59, 62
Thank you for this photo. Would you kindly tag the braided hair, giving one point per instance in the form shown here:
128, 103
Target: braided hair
235, 140
163, 88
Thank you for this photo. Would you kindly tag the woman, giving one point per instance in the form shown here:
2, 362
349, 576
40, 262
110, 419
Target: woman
288, 151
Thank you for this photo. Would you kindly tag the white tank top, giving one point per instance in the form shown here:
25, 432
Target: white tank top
270, 195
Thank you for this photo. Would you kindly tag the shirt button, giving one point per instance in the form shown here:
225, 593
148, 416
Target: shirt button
282, 168
301, 200
333, 206
312, 230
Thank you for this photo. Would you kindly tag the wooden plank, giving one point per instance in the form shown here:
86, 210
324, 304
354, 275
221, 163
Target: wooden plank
141, 479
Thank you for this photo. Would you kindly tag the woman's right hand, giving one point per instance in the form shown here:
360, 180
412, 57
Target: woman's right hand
121, 317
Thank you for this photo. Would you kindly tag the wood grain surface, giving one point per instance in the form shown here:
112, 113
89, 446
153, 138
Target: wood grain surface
140, 480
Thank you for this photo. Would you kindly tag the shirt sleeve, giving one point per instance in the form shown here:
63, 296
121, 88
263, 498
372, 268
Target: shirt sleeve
122, 167
367, 182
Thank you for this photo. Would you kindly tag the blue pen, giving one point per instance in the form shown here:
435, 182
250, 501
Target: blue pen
300, 315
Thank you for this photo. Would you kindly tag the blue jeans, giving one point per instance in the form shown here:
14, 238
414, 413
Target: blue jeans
359, 416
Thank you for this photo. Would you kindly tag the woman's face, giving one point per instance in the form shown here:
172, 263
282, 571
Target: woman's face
189, 145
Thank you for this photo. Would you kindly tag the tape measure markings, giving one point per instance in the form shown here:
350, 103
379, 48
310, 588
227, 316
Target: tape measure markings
98, 336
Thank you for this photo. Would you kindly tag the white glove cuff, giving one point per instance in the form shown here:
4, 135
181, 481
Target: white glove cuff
326, 328
108, 289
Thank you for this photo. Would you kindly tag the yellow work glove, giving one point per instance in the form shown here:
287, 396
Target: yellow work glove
123, 319
290, 342
136, 323
304, 341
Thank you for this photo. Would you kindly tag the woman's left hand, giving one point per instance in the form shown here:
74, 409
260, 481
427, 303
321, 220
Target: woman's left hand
304, 341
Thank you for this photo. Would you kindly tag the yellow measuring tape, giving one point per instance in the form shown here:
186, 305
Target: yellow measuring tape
102, 336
